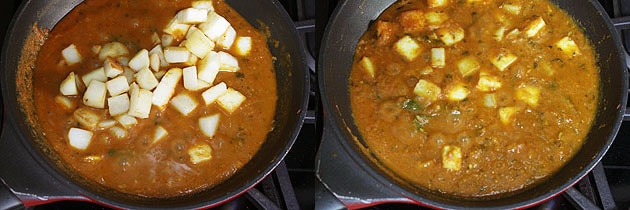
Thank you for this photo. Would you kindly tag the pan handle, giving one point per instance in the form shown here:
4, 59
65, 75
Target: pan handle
623, 23
7, 199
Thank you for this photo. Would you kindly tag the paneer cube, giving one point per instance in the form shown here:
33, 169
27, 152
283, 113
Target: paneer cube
129, 75
488, 83
468, 65
490, 100
204, 4
243, 45
568, 46
184, 103
227, 39
200, 153
528, 94
68, 86
154, 62
158, 50
95, 94
198, 43
118, 104
192, 16
514, 9
208, 67
65, 102
71, 55
503, 60
437, 3
113, 50
139, 102
436, 18
212, 94
140, 60
145, 79
112, 68
127, 121
209, 124
368, 66
166, 88
507, 113
159, 134
227, 62
118, 132
87, 118
408, 48
499, 34
117, 85
215, 26
450, 36
79, 139
452, 157
190, 78
168, 40
457, 92
176, 29
412, 21
427, 90
176, 54
231, 100
534, 27
96, 74
438, 57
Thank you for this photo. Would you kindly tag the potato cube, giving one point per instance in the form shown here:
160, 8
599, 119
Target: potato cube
488, 83
213, 93
159, 134
105, 124
227, 62
117, 86
528, 94
166, 88
209, 124
243, 45
86, 118
160, 52
231, 100
145, 79
427, 90
123, 61
499, 34
79, 138
113, 50
68, 86
118, 132
436, 18
96, 74
503, 60
208, 67
507, 113
200, 153
65, 102
368, 66
168, 40
112, 68
468, 65
176, 54
408, 48
215, 26
139, 102
140, 60
514, 9
438, 57
71, 55
118, 104
568, 46
452, 157
184, 103
127, 121
198, 43
534, 27
154, 62
207, 5
176, 29
95, 94
190, 78
192, 16
437, 3
457, 92
227, 39
129, 75
490, 100
450, 36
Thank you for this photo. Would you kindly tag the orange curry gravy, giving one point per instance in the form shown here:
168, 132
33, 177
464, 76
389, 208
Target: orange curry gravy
132, 164
455, 133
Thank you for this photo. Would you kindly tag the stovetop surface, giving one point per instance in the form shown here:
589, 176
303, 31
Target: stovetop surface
311, 16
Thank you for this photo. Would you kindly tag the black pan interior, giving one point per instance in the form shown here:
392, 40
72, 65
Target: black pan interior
293, 91
335, 61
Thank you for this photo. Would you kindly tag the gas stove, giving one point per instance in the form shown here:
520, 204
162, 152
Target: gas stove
294, 184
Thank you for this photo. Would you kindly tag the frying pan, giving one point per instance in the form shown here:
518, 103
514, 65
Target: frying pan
352, 18
34, 174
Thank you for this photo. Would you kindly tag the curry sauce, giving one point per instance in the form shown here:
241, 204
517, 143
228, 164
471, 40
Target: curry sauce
474, 98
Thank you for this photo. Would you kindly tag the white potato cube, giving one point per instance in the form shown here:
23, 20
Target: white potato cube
113, 50
154, 62
490, 100
95, 94
514, 9
190, 78
140, 60
68, 86
213, 93
160, 52
438, 57
528, 94
159, 134
231, 100
176, 29
427, 90
71, 55
200, 153
227, 62
209, 124
488, 83
568, 46
452, 157
202, 84
437, 3
118, 104
407, 47
468, 65
507, 113
87, 118
168, 40
368, 66
243, 45
117, 86
139, 102
155, 37
198, 43
129, 75
145, 79
534, 27
166, 88
112, 67
450, 36
207, 5
503, 60
79, 138
499, 34
208, 67
436, 18
127, 121
176, 54
118, 132
215, 26
105, 124
65, 102
227, 39
96, 74
184, 103
457, 92
192, 16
